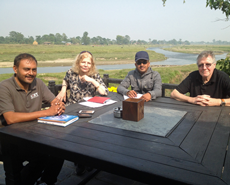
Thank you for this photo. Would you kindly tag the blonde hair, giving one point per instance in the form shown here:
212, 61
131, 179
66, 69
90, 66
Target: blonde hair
79, 58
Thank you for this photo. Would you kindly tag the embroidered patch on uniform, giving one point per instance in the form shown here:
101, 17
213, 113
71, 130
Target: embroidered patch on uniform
35, 95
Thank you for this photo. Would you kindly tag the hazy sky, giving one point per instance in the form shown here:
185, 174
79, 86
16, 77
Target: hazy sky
140, 19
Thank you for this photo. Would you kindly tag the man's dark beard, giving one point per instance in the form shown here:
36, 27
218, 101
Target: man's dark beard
23, 82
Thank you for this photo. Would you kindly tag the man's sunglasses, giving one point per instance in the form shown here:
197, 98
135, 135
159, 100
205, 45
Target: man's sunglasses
86, 52
207, 65
139, 62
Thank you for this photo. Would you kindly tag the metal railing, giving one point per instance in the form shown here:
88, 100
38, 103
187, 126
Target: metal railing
56, 88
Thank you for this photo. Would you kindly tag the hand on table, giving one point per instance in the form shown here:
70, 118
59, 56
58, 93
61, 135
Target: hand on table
202, 100
57, 107
208, 101
132, 94
147, 97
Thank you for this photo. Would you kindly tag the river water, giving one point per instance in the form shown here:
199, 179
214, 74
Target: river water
173, 58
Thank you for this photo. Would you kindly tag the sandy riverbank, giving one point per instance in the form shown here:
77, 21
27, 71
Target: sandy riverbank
68, 62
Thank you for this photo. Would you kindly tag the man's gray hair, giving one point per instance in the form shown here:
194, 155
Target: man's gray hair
205, 54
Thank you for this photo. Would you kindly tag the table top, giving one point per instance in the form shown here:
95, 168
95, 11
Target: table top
195, 152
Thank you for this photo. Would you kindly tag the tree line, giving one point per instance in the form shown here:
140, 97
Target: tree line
18, 38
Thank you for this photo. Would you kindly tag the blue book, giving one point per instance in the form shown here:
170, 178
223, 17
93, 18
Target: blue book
62, 120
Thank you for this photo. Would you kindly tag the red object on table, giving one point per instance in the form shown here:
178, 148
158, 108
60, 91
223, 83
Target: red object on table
97, 99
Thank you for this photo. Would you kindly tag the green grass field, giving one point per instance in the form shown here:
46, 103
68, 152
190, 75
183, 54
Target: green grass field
173, 74
54, 52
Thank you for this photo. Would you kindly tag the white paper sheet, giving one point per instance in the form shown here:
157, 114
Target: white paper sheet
138, 96
94, 105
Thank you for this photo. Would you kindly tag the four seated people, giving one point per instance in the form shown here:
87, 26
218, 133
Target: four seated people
22, 96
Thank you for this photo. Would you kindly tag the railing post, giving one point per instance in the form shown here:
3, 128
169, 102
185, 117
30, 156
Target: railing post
105, 79
163, 90
52, 88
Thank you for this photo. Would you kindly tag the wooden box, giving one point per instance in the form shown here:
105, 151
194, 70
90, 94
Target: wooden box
133, 109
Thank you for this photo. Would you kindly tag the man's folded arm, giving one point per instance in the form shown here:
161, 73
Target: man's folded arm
175, 94
17, 117
56, 108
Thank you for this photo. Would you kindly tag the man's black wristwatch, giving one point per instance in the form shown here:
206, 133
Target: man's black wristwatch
222, 102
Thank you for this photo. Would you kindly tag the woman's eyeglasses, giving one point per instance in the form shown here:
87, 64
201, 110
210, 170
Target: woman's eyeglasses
86, 52
139, 62
208, 65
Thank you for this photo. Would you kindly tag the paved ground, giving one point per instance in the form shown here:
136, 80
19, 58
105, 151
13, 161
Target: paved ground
68, 176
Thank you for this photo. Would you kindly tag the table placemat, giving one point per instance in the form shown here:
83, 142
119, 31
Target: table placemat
156, 121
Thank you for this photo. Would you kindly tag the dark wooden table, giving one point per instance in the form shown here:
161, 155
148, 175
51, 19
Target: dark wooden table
196, 152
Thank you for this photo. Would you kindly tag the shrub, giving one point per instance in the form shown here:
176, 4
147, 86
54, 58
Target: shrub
224, 65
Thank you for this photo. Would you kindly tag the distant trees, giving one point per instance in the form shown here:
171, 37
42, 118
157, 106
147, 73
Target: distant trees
2, 40
53, 39
127, 39
119, 39
18, 38
170, 42
101, 41
58, 38
219, 42
85, 39
186, 42
123, 40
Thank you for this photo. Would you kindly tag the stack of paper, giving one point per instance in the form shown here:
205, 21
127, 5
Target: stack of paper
137, 97
94, 104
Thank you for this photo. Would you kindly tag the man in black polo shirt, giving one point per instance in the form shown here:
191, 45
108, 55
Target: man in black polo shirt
21, 98
207, 86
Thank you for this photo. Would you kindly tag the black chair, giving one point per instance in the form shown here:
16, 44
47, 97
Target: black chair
2, 124
1, 157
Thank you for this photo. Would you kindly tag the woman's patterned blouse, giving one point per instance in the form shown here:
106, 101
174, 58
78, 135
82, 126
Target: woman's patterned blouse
78, 89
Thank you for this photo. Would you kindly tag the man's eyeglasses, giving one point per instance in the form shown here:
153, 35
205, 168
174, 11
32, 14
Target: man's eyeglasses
139, 62
207, 65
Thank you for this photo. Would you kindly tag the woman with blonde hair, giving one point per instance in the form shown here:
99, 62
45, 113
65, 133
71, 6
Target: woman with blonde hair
83, 80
